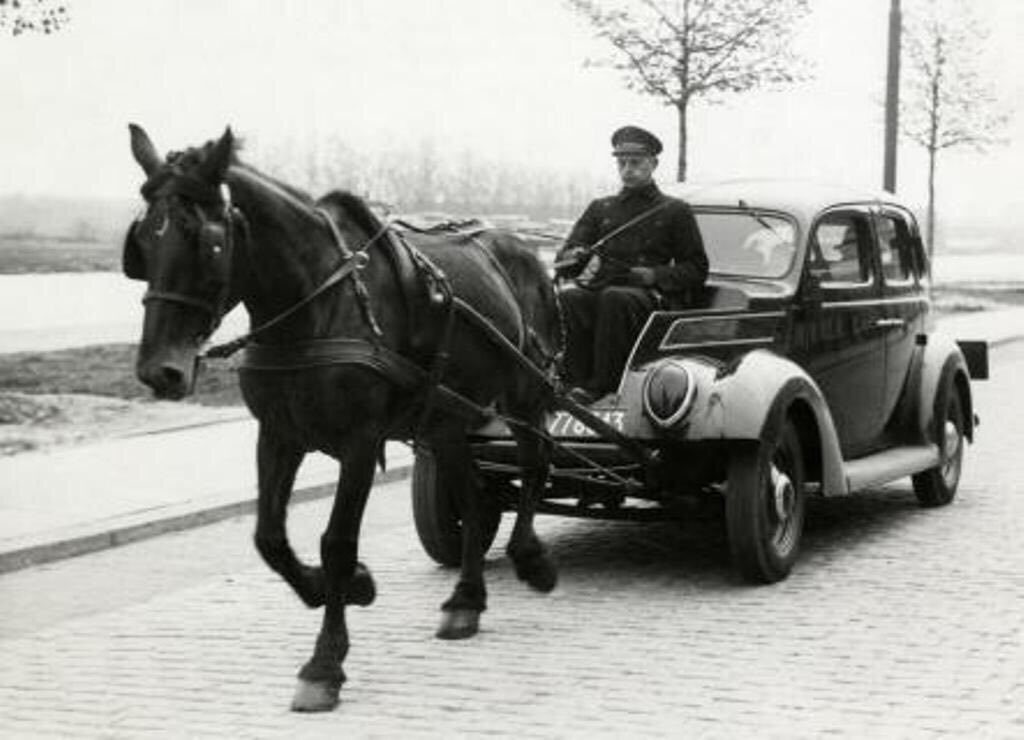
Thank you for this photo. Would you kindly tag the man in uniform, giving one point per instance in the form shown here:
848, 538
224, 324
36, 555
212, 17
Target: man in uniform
630, 253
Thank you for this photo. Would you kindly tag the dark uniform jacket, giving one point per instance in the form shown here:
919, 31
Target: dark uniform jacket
667, 240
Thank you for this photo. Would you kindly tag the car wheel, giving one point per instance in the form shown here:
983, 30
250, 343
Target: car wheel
765, 506
937, 486
435, 511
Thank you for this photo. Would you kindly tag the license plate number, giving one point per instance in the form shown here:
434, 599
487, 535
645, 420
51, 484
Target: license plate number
564, 424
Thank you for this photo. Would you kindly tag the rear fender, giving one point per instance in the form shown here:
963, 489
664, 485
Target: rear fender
942, 366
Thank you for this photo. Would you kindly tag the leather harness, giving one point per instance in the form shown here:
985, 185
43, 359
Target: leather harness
412, 267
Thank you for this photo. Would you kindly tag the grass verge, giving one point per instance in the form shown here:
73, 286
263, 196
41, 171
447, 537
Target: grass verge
106, 370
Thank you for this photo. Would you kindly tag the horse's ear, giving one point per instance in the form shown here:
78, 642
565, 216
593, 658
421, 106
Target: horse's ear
215, 167
143, 150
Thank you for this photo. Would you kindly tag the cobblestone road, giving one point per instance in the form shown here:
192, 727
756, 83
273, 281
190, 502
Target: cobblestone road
898, 622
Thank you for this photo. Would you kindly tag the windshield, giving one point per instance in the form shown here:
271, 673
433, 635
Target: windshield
748, 243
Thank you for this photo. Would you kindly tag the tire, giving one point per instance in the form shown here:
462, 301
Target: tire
937, 486
435, 511
765, 507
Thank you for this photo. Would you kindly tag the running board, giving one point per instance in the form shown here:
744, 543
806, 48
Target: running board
890, 465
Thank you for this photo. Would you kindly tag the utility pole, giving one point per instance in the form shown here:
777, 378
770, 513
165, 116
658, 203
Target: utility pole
892, 97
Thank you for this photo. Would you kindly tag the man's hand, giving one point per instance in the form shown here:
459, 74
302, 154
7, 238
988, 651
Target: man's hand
572, 255
569, 262
641, 277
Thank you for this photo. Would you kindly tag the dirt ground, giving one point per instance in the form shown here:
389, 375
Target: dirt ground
47, 420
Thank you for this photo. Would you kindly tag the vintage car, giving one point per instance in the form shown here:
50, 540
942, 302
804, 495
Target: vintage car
810, 367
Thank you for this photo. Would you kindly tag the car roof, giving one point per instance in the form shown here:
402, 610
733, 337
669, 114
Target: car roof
802, 198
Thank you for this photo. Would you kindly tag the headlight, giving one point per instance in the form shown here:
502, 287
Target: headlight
668, 393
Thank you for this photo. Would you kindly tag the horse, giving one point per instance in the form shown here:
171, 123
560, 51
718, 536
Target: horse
354, 339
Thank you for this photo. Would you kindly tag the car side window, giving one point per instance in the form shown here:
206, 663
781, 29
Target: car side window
895, 246
840, 251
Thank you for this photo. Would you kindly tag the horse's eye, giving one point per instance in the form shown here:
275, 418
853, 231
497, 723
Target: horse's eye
162, 228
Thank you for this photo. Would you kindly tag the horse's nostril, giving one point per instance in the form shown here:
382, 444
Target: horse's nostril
171, 377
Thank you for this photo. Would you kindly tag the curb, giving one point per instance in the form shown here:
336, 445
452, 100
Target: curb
143, 527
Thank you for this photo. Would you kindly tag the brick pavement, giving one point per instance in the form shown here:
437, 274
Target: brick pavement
898, 622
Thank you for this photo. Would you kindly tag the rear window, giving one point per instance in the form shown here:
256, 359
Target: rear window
896, 249
748, 243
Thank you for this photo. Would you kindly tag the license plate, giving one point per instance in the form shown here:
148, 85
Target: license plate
564, 424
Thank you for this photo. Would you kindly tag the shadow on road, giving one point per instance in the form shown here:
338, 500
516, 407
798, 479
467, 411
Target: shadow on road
695, 550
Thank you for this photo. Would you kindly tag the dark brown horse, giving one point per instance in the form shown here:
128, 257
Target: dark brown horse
356, 337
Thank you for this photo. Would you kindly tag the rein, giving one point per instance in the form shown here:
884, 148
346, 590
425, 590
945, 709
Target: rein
353, 261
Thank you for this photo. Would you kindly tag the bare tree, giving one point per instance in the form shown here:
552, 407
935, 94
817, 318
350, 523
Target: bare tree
680, 50
947, 102
40, 16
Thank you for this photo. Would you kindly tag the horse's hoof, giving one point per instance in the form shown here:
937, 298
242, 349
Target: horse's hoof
538, 571
361, 588
315, 696
314, 587
458, 624
542, 577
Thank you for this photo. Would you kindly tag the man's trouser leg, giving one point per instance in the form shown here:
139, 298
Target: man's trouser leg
579, 307
621, 314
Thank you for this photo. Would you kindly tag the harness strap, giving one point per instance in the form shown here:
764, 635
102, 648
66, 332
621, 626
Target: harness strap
173, 297
320, 352
374, 356
355, 261
229, 348
562, 401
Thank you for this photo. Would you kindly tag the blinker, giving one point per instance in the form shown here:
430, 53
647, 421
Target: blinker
133, 263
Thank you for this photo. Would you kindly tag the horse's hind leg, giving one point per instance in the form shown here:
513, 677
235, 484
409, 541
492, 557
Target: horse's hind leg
321, 677
277, 462
527, 552
461, 612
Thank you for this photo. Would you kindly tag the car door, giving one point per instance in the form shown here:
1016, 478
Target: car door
904, 300
836, 335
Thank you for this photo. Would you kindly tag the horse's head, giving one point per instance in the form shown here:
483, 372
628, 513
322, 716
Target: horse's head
182, 247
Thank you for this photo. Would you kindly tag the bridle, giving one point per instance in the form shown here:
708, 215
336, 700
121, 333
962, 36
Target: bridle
218, 239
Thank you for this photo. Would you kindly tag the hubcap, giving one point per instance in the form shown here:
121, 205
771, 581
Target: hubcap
782, 514
783, 493
951, 441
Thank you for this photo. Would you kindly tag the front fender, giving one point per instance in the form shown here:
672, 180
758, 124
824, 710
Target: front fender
745, 399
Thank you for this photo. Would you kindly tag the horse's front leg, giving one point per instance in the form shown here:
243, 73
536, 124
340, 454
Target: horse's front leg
278, 461
461, 612
345, 580
527, 552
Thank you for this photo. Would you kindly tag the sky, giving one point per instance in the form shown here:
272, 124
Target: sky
502, 78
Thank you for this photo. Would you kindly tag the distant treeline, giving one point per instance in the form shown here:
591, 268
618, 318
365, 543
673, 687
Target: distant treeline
81, 220
422, 178
413, 180
416, 179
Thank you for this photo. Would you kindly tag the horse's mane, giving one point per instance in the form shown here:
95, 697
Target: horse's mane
355, 207
182, 166
297, 193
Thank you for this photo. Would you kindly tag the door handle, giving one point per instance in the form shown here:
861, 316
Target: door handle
890, 323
